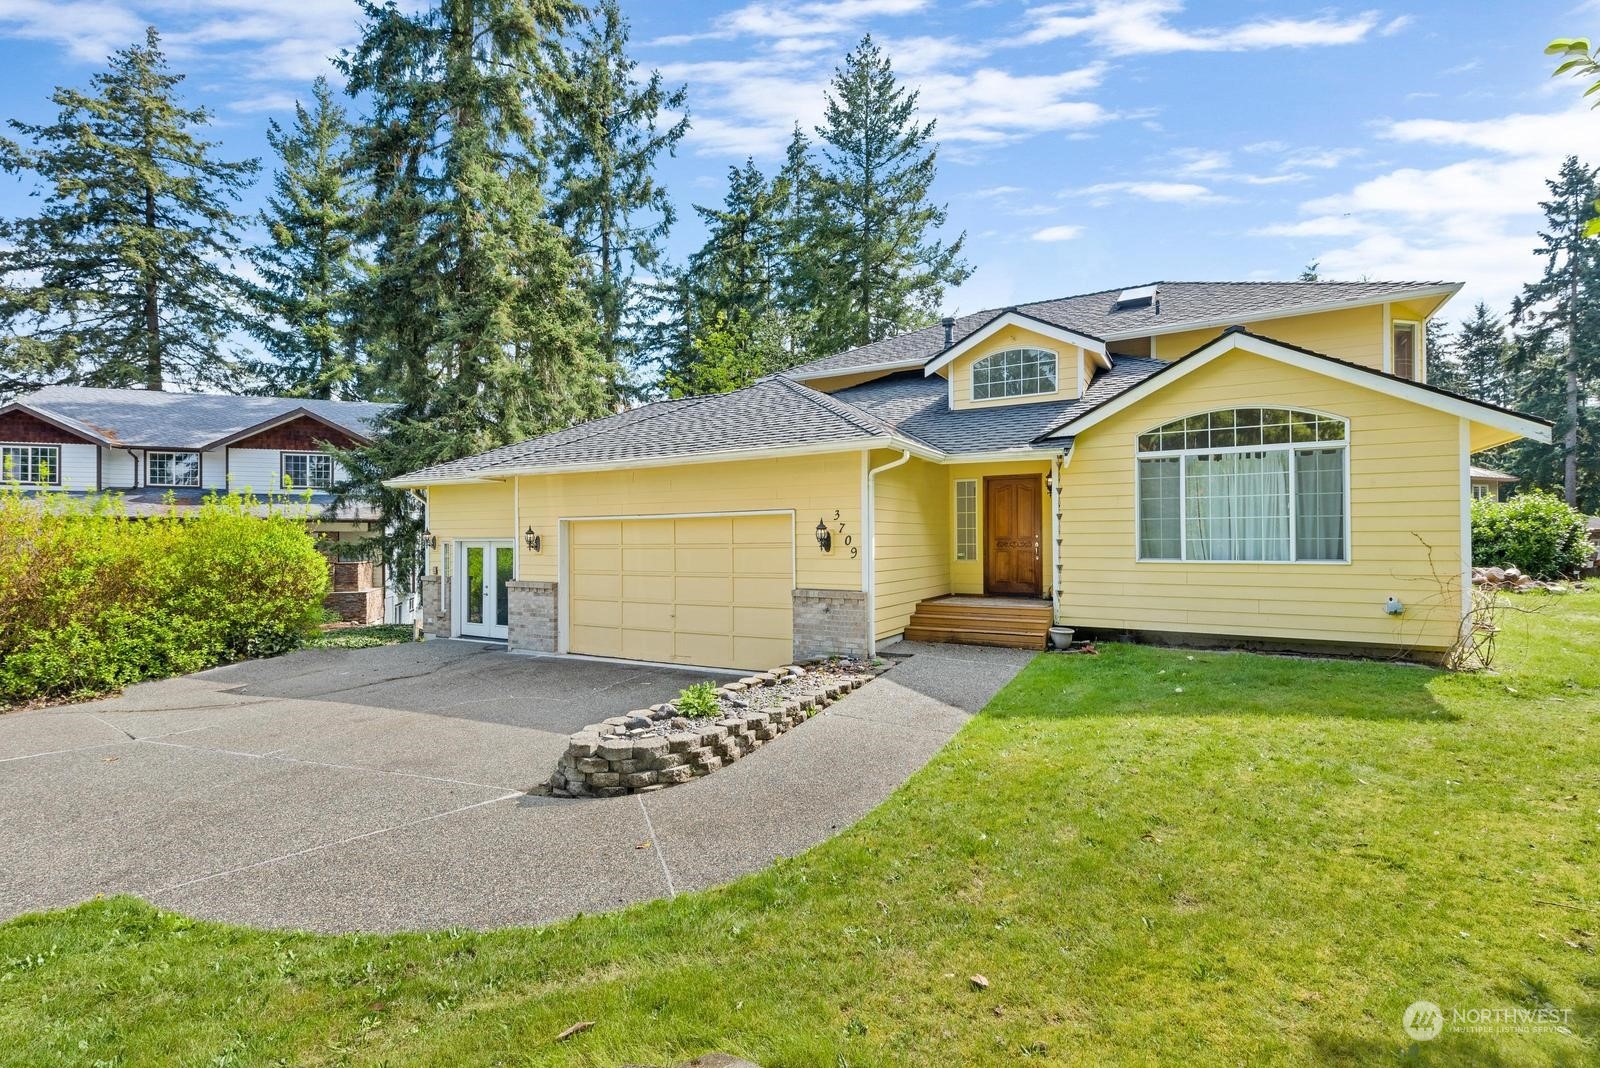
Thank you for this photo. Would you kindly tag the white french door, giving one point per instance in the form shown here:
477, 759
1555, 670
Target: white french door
484, 569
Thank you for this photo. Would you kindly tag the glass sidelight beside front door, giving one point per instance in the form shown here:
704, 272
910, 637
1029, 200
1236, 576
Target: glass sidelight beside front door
485, 570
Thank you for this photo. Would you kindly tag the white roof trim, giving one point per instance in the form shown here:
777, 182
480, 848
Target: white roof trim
1025, 322
1184, 325
1356, 376
500, 472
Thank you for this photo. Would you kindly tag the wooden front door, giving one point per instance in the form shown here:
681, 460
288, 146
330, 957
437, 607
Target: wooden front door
1013, 519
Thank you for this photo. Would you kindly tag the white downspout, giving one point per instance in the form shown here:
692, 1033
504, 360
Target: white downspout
516, 528
869, 537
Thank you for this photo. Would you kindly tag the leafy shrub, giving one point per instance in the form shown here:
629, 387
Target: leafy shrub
1537, 533
699, 701
92, 599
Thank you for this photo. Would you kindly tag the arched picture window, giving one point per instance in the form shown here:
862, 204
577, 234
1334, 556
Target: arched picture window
1014, 373
1245, 484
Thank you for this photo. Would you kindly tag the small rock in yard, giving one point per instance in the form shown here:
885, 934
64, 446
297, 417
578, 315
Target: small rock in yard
978, 982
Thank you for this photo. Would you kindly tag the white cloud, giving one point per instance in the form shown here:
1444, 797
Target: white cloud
755, 102
1164, 192
1057, 233
89, 31
1139, 27
243, 41
1469, 219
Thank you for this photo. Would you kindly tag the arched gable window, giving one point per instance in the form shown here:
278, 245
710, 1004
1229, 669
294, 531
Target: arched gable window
1245, 484
1014, 373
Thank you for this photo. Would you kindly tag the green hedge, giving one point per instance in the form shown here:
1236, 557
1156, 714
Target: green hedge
1536, 532
92, 599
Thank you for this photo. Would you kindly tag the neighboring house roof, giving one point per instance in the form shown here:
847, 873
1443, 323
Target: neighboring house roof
1514, 423
1177, 306
139, 418
1489, 474
772, 412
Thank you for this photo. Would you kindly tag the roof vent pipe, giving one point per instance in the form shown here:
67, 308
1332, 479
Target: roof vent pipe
949, 330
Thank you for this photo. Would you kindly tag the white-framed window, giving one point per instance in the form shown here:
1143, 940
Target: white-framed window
966, 519
1014, 373
172, 468
1480, 491
307, 470
1245, 484
1405, 352
32, 465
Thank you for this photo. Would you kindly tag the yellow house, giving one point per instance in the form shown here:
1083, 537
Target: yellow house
1248, 463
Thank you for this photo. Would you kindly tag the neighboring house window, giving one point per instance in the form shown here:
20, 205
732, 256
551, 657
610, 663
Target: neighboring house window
307, 470
35, 465
1404, 351
1244, 484
1479, 490
172, 469
967, 519
1014, 373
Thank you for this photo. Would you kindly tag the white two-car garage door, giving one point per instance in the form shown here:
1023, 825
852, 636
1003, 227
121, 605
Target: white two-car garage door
714, 591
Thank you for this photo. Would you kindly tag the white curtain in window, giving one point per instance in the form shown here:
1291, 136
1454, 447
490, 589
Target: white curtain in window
1237, 506
1319, 504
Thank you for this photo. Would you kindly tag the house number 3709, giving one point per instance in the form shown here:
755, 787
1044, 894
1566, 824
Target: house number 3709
847, 540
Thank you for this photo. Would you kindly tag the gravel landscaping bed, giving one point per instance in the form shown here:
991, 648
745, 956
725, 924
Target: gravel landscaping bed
657, 747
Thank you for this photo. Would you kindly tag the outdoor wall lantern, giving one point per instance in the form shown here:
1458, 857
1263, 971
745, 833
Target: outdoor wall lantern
824, 536
430, 539
1050, 482
532, 538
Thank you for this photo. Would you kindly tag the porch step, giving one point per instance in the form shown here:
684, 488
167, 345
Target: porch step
981, 621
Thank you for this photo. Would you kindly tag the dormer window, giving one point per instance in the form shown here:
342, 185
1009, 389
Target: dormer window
1014, 373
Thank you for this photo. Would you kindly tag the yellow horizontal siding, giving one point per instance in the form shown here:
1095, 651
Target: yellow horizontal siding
1353, 334
479, 510
911, 553
1405, 538
959, 371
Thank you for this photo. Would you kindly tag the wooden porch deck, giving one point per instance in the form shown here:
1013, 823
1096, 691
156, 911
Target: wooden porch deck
1012, 622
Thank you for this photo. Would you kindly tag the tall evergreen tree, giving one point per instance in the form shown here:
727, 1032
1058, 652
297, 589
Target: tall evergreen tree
123, 277
475, 312
603, 137
1482, 351
309, 268
872, 265
1444, 367
1562, 309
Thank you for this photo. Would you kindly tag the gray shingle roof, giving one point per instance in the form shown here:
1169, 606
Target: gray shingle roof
1181, 305
771, 412
918, 407
139, 418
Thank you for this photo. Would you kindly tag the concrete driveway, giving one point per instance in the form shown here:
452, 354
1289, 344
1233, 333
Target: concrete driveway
384, 789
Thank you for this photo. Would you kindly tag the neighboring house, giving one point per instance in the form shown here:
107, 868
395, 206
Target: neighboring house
160, 451
1251, 463
1487, 482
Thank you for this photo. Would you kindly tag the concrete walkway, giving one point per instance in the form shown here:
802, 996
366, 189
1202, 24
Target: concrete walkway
383, 789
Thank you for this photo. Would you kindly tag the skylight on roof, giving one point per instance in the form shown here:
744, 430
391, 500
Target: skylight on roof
1137, 297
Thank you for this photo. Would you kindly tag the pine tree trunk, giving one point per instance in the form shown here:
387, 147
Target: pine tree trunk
152, 306
1569, 442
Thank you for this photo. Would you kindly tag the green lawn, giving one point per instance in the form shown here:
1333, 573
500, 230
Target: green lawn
1154, 857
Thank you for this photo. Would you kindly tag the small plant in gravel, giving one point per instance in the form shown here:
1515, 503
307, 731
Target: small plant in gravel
699, 701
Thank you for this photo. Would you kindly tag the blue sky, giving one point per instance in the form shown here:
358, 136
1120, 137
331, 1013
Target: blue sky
1085, 145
